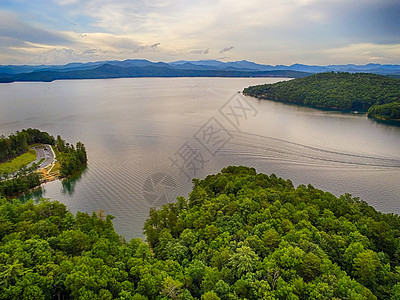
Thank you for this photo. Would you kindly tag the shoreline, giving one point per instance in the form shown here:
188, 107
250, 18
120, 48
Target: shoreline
393, 122
322, 108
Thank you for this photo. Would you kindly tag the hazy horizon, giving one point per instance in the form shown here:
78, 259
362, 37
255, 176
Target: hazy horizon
197, 60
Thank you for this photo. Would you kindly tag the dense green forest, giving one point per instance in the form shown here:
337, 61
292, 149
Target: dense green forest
338, 91
17, 144
72, 159
238, 235
24, 180
386, 112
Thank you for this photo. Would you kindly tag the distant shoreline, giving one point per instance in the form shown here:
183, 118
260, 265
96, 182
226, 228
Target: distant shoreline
139, 68
107, 71
373, 94
321, 108
266, 76
393, 122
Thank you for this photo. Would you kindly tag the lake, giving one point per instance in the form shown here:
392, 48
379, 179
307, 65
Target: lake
147, 137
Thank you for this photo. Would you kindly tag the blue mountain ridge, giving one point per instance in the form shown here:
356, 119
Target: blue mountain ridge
242, 65
182, 68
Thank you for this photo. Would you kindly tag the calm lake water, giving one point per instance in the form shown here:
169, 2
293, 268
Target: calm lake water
146, 137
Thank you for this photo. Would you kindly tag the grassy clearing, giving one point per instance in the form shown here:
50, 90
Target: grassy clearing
40, 161
53, 168
56, 167
18, 162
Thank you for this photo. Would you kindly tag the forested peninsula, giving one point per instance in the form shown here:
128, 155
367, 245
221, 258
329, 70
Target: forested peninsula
239, 235
377, 95
24, 173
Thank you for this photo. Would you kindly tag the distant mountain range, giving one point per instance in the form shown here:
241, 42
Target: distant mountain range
182, 68
248, 65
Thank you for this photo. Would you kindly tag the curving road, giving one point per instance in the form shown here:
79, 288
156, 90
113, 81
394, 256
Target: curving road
46, 152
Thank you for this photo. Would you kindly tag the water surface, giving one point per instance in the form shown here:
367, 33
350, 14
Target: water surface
134, 129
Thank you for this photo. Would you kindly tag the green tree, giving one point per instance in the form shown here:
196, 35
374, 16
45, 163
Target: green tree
365, 267
243, 261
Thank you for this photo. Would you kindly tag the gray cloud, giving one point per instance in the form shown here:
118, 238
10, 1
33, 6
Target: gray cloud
377, 22
145, 48
11, 42
226, 49
200, 51
358, 21
90, 52
272, 32
15, 29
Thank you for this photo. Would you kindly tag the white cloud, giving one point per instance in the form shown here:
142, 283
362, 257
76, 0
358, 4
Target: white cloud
365, 52
266, 31
89, 47
54, 56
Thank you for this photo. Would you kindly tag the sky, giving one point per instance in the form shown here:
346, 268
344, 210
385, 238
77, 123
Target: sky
319, 32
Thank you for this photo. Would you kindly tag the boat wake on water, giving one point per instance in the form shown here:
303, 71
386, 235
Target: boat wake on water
249, 145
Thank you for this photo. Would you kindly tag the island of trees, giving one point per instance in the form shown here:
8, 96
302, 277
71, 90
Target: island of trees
378, 95
71, 159
239, 235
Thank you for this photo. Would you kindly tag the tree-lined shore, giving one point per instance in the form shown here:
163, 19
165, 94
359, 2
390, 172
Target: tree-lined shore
70, 159
377, 95
239, 235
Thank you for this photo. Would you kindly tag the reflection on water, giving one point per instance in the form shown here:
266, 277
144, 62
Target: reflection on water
68, 184
36, 194
133, 127
67, 187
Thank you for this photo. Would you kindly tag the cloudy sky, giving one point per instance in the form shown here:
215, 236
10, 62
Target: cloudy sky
265, 31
